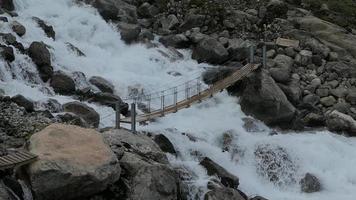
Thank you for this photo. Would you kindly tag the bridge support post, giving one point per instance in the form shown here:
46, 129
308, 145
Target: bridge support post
162, 103
133, 117
118, 113
264, 56
198, 89
252, 53
175, 98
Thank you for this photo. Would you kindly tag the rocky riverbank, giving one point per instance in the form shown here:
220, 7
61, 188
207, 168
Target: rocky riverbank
309, 86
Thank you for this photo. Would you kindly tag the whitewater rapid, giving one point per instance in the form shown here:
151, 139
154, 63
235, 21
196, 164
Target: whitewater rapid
332, 158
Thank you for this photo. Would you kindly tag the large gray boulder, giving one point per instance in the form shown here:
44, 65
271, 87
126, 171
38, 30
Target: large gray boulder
62, 83
263, 99
103, 84
71, 159
145, 166
340, 122
42, 58
83, 111
211, 51
310, 183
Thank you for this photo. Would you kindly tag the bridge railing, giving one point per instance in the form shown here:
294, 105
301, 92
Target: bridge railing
158, 103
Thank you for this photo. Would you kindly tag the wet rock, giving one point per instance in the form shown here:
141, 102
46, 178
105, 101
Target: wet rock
227, 179
23, 102
250, 125
223, 194
108, 99
66, 163
62, 83
176, 41
49, 31
42, 58
84, 111
274, 163
164, 143
258, 198
310, 183
4, 19
339, 122
7, 5
18, 28
7, 53
211, 51
103, 84
146, 35
129, 32
52, 105
72, 119
75, 49
263, 99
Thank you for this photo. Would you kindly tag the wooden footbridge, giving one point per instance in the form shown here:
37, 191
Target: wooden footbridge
16, 158
192, 94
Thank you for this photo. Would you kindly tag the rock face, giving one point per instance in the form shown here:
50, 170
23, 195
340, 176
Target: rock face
145, 166
83, 111
46, 28
211, 51
310, 183
103, 84
7, 5
163, 142
62, 83
129, 32
71, 159
18, 28
42, 58
263, 99
227, 179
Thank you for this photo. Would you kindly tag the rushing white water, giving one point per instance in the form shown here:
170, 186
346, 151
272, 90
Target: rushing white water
330, 157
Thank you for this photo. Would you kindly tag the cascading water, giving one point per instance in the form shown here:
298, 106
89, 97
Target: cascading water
330, 157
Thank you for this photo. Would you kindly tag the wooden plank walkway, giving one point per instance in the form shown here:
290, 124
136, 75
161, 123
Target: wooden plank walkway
16, 158
215, 88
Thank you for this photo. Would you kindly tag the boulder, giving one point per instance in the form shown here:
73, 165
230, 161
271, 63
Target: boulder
281, 75
227, 179
351, 96
52, 105
311, 99
170, 22
263, 99
147, 10
18, 28
145, 166
7, 5
342, 69
163, 142
310, 183
292, 91
192, 21
340, 122
176, 41
62, 83
42, 58
305, 57
103, 84
129, 32
83, 111
223, 194
283, 61
211, 51
48, 29
258, 198
23, 102
4, 194
108, 99
7, 53
276, 9
334, 36
71, 159
328, 101
314, 120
